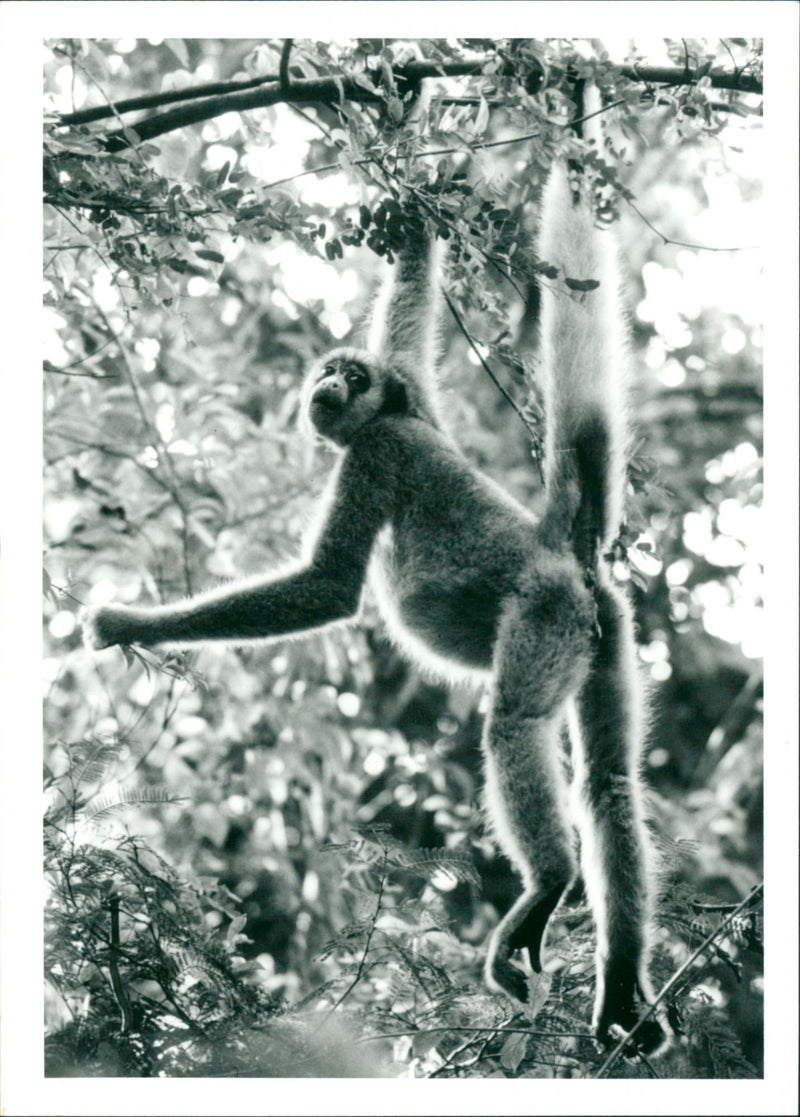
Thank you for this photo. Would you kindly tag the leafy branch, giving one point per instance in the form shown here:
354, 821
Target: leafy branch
367, 87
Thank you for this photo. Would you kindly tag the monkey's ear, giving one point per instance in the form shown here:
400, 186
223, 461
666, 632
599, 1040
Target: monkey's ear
395, 398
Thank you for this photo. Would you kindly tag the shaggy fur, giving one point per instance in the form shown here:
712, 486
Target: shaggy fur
472, 587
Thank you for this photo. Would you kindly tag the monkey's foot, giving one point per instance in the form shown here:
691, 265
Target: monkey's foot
523, 927
619, 1015
528, 933
504, 977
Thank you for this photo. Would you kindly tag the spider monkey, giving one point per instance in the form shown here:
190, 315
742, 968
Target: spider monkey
472, 586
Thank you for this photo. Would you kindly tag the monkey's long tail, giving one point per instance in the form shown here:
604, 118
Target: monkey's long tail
585, 359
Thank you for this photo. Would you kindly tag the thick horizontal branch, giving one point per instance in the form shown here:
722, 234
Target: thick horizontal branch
738, 80
213, 99
158, 100
301, 91
410, 73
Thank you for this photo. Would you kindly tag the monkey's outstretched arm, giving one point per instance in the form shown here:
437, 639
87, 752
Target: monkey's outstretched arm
325, 589
243, 611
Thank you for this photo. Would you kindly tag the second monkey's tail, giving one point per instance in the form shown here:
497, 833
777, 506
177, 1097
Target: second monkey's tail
584, 363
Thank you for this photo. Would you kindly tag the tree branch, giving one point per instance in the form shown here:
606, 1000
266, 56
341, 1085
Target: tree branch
533, 435
303, 91
166, 97
283, 73
206, 101
678, 75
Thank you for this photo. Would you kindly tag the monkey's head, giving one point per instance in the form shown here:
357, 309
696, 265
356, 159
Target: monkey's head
345, 390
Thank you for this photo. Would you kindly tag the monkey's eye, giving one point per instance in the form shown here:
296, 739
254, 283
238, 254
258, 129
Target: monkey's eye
329, 370
356, 378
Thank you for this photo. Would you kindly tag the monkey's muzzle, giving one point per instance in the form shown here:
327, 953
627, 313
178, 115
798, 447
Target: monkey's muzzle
329, 398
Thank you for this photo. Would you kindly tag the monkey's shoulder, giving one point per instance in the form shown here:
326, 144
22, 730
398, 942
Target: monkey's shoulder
406, 446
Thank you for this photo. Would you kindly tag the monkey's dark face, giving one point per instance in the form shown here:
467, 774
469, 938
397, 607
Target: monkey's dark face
343, 393
338, 384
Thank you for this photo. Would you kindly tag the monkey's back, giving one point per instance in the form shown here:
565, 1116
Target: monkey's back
452, 552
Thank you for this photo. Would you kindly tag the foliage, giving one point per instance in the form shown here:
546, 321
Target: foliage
278, 833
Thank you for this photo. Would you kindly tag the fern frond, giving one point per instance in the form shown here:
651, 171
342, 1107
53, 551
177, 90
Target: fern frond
427, 862
126, 797
426, 973
92, 758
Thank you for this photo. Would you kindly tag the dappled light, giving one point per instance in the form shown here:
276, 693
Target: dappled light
243, 839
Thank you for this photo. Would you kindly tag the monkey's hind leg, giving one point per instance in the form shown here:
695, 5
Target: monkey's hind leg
608, 803
542, 654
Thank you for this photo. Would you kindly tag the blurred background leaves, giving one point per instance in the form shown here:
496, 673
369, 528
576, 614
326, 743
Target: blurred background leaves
188, 281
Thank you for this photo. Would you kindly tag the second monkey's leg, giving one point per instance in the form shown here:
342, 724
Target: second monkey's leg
540, 662
613, 836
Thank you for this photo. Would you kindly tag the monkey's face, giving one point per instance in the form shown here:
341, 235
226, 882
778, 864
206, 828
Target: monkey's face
342, 394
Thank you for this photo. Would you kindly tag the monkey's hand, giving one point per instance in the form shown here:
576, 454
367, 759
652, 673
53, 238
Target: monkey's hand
107, 625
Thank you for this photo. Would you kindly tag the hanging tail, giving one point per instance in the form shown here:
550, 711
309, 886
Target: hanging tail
584, 348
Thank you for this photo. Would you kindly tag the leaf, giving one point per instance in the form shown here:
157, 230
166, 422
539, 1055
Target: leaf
230, 196
120, 426
538, 992
424, 1042
178, 48
235, 928
210, 254
514, 1051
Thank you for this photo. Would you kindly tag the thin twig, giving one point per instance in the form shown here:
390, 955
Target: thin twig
173, 485
684, 244
64, 369
283, 73
707, 941
120, 993
490, 373
365, 952
120, 121
169, 710
448, 1062
97, 252
498, 1030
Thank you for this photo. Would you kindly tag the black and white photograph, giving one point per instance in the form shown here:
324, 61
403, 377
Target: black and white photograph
404, 557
